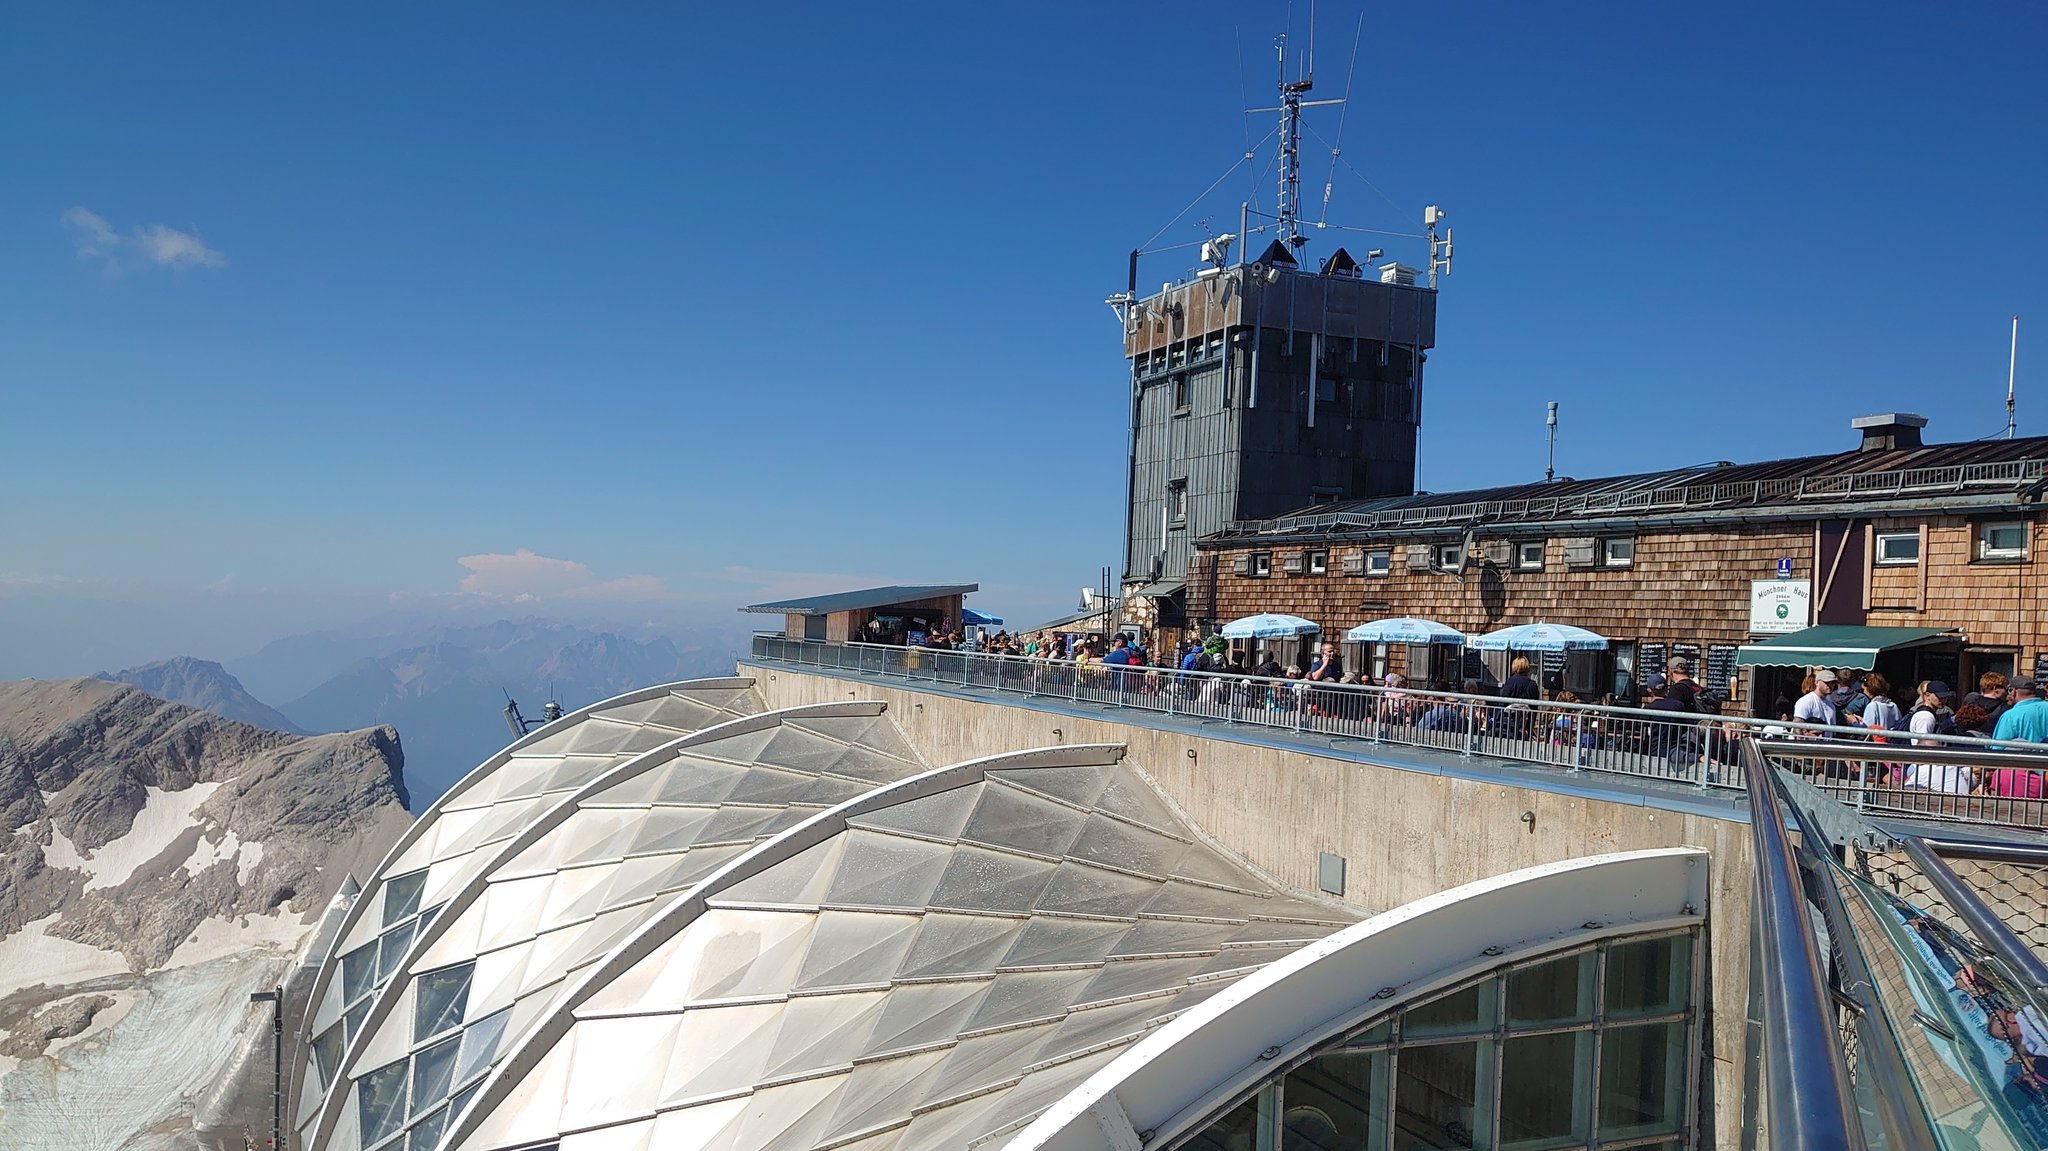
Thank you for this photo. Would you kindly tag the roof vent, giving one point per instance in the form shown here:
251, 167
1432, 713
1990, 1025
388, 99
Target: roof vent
1277, 255
1890, 431
1397, 273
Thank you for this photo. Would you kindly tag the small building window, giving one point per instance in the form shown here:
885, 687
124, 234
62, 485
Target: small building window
1318, 562
1262, 564
1379, 563
1619, 552
1326, 390
1177, 500
1180, 393
1898, 547
2003, 540
1450, 557
1529, 556
1325, 495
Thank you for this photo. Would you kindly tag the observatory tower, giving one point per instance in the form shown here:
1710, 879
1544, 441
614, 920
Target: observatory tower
1267, 385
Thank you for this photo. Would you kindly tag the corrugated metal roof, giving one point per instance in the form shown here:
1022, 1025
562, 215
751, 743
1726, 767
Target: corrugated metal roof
857, 600
1904, 474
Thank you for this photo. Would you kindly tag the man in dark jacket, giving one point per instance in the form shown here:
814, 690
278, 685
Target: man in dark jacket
1991, 695
1680, 686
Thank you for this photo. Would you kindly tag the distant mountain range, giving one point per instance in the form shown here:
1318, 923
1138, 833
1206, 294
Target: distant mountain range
206, 685
445, 691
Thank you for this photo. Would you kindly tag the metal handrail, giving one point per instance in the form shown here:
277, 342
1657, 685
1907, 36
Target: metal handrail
1989, 928
1755, 492
1811, 1105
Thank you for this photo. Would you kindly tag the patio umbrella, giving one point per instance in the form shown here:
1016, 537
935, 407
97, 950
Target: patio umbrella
1270, 625
1540, 637
979, 619
1405, 629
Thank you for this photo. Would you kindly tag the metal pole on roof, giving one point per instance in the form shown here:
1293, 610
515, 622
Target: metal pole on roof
2011, 370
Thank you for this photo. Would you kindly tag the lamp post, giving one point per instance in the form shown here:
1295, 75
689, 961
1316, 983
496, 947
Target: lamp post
275, 997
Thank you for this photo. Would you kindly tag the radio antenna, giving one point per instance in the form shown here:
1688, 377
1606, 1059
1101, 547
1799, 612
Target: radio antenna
2012, 366
1550, 462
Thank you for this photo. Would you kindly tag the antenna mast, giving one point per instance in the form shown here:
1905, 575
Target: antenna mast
1550, 461
2011, 369
1290, 149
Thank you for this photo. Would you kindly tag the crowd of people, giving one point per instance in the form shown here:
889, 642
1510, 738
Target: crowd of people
2005, 713
2008, 714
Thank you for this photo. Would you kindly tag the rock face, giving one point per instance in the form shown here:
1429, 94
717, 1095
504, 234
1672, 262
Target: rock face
207, 686
160, 863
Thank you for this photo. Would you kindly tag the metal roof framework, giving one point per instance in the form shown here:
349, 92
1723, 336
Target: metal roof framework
859, 600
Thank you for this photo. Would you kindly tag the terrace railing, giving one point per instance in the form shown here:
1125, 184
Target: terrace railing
1704, 752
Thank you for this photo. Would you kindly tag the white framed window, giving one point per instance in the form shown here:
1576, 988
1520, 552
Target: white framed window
2002, 540
1177, 500
1529, 556
1262, 564
1379, 563
1898, 548
1450, 557
1318, 562
1618, 552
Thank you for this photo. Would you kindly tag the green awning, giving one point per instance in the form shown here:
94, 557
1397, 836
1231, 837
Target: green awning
1163, 588
1839, 645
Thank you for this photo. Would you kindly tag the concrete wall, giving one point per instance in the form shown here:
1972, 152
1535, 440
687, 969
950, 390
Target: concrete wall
1404, 833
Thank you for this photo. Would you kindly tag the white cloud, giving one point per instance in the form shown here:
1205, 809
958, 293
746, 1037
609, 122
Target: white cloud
528, 577
166, 247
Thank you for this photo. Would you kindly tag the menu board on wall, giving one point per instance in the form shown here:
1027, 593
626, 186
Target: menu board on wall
1649, 657
1553, 668
1690, 653
2040, 666
1941, 665
1474, 668
1720, 670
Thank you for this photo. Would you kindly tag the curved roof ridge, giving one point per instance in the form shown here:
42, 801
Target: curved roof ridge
526, 1051
1171, 1079
387, 996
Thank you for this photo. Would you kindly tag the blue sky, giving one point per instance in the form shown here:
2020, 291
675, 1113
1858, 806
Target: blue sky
700, 306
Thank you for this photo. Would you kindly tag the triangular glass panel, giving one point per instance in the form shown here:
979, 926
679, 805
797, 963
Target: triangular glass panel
647, 739
915, 1014
667, 829
1044, 1087
1080, 786
823, 1032
939, 816
789, 1115
1028, 996
855, 948
1119, 844
1138, 976
1203, 902
739, 747
879, 1092
608, 1075
1050, 939
595, 735
978, 879
719, 1049
873, 766
1085, 890
1279, 931
887, 871
800, 880
1007, 817
748, 953
765, 784
952, 1127
799, 750
1124, 1022
684, 714
830, 791
841, 729
705, 1127
1204, 864
960, 945
739, 824
986, 1060
689, 779
577, 770
1135, 800
1174, 937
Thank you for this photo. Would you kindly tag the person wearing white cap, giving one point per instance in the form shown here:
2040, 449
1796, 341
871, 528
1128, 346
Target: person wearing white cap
1814, 707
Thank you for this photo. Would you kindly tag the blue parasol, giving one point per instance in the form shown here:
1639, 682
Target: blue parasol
1540, 637
1405, 629
1270, 625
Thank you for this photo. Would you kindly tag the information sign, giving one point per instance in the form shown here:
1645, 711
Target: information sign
1785, 568
1649, 657
1779, 607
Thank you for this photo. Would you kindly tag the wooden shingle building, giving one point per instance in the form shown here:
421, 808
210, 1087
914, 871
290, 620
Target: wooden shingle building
1922, 561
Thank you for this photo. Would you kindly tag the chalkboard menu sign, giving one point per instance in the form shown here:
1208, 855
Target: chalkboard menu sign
1475, 667
1690, 653
2040, 666
1553, 671
1649, 657
1720, 670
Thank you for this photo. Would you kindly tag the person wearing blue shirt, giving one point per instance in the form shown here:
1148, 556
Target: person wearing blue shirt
2026, 720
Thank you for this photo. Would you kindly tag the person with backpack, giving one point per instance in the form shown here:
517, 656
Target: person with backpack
1880, 711
1931, 715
